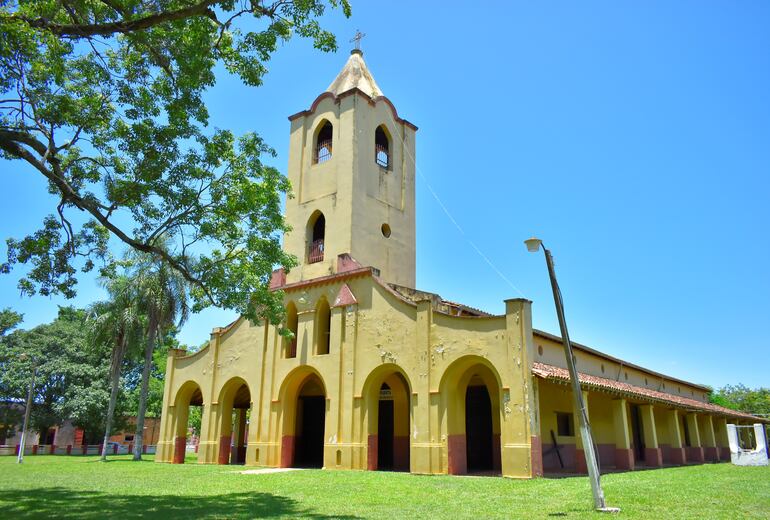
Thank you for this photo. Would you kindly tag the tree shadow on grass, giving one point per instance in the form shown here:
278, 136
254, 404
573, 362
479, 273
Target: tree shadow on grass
53, 502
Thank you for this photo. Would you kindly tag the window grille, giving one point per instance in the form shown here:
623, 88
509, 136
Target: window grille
382, 157
315, 251
324, 151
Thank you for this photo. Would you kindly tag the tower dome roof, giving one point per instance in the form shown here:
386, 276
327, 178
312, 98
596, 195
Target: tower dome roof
355, 74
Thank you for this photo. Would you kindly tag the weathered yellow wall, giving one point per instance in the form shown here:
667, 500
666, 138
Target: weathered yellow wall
381, 335
595, 365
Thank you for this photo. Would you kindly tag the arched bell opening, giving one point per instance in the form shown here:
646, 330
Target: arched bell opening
322, 151
382, 147
316, 236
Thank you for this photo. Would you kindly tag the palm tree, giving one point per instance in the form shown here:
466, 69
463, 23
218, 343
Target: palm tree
161, 295
115, 321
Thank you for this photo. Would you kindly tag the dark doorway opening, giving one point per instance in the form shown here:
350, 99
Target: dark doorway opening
636, 431
385, 436
478, 429
311, 414
240, 425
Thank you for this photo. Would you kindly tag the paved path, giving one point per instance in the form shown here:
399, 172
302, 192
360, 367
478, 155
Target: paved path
265, 471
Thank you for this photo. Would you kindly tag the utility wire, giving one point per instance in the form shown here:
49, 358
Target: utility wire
451, 218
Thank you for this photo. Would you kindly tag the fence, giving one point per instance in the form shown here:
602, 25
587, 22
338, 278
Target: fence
83, 449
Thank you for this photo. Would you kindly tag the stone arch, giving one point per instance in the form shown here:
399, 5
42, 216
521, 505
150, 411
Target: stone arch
471, 379
234, 399
189, 394
303, 399
315, 234
323, 140
382, 146
392, 450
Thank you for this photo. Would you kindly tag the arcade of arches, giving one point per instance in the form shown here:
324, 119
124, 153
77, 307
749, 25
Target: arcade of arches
407, 383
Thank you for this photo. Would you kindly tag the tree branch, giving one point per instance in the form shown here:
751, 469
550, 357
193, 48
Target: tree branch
9, 143
127, 26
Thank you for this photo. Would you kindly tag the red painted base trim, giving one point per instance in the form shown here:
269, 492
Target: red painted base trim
695, 454
710, 453
457, 463
180, 444
653, 457
676, 456
401, 453
536, 455
224, 450
371, 453
580, 461
496, 463
725, 454
624, 459
287, 451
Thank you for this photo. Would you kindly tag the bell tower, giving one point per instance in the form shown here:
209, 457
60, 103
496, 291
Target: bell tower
352, 169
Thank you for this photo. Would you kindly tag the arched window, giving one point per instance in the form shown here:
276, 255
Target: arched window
323, 319
382, 147
291, 324
316, 232
323, 143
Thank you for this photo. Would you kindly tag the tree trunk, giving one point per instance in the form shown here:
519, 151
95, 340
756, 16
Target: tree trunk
117, 361
148, 349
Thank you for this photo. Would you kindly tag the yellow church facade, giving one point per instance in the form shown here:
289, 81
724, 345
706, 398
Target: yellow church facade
381, 376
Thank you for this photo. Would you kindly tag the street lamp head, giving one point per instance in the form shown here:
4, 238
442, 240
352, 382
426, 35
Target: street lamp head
533, 244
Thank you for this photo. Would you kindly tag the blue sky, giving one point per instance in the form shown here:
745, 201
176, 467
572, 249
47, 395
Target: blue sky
632, 137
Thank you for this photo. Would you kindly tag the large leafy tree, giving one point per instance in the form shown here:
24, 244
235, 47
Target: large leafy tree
104, 100
71, 381
9, 413
740, 397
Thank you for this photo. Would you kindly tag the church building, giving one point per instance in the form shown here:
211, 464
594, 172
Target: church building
382, 376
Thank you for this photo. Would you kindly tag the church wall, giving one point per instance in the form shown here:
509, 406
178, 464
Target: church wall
593, 364
372, 341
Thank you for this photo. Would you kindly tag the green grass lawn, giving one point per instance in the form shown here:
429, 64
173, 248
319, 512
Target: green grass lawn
82, 487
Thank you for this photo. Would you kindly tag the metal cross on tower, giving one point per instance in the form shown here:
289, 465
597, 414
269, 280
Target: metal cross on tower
357, 39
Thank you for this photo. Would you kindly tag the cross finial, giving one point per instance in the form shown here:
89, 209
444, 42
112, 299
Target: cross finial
357, 39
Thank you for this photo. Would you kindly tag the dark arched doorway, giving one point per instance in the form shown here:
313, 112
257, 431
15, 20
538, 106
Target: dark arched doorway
310, 424
470, 396
392, 434
478, 427
236, 407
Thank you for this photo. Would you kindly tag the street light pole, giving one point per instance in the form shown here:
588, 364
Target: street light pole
533, 244
27, 411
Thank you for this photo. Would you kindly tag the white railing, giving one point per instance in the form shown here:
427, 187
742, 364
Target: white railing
78, 449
